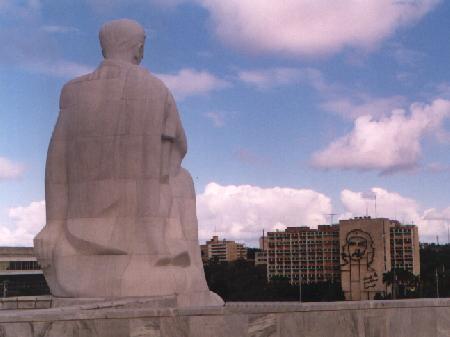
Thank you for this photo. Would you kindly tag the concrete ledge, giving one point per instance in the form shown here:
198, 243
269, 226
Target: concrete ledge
403, 318
25, 302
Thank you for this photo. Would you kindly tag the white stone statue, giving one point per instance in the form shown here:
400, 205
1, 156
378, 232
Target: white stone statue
121, 218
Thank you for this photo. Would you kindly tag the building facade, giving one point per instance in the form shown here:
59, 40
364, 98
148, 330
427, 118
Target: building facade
405, 247
365, 256
303, 253
261, 256
223, 250
20, 273
355, 252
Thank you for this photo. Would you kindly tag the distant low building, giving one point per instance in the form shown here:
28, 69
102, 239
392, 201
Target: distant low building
223, 250
261, 258
20, 273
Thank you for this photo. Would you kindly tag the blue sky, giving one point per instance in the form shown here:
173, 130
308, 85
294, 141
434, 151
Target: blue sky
293, 109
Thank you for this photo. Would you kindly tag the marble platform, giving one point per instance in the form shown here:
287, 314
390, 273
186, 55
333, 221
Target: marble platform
402, 318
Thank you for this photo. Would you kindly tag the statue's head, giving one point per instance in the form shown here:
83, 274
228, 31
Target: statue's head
123, 40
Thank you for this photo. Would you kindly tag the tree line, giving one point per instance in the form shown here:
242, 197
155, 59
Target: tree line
241, 280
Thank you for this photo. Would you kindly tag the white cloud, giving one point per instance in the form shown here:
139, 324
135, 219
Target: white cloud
363, 105
59, 29
248, 157
335, 98
388, 144
59, 68
388, 205
27, 221
189, 82
242, 212
216, 118
272, 77
436, 215
392, 205
405, 77
267, 78
437, 167
305, 27
115, 6
406, 57
9, 169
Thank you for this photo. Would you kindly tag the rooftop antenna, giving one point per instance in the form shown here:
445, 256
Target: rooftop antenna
331, 215
368, 197
263, 243
375, 205
448, 233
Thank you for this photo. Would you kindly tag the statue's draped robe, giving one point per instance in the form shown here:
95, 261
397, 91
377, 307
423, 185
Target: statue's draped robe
121, 217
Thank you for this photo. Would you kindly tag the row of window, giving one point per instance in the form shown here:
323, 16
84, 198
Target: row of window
400, 241
310, 276
279, 269
329, 258
302, 252
303, 240
19, 265
304, 234
401, 230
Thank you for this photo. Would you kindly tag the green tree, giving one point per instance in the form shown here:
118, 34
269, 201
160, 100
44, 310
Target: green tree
241, 280
404, 283
435, 270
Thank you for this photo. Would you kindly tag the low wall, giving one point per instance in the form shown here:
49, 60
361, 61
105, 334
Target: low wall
25, 302
403, 318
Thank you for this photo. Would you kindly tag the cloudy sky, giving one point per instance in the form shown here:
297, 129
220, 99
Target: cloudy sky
294, 109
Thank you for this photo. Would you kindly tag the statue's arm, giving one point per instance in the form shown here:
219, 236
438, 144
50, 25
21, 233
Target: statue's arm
55, 183
56, 188
55, 199
174, 138
173, 126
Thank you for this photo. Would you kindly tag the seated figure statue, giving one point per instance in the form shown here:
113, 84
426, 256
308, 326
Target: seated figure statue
121, 218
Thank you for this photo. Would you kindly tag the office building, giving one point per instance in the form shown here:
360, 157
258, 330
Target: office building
223, 250
405, 248
306, 253
356, 252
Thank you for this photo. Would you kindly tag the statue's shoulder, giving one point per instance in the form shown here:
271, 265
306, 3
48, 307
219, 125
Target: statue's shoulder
146, 76
69, 91
138, 82
77, 80
142, 82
